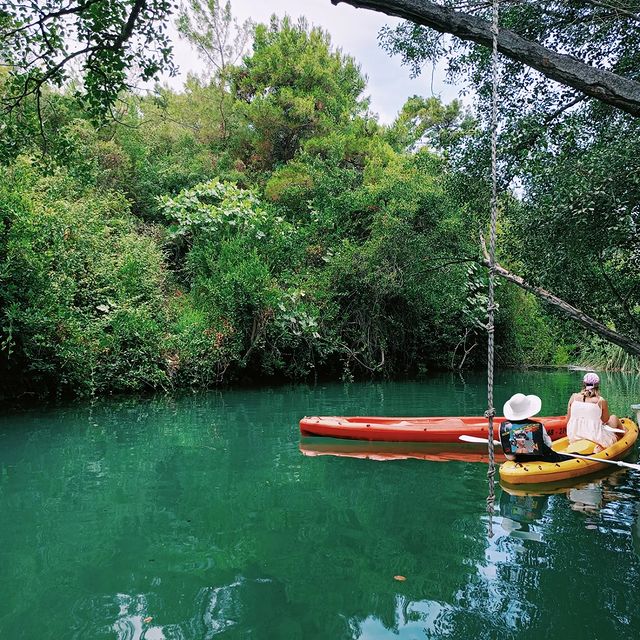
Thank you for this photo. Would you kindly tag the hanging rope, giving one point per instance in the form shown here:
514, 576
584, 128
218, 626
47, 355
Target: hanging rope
491, 412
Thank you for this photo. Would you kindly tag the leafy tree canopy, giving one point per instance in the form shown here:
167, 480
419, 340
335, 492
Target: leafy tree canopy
217, 37
574, 227
258, 222
602, 34
293, 87
43, 40
429, 121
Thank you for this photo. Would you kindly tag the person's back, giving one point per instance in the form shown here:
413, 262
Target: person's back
583, 409
522, 438
525, 441
586, 413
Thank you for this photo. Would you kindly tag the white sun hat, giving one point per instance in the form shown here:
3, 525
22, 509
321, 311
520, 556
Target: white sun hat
519, 407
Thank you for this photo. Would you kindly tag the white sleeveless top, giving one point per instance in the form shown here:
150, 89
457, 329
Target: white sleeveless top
586, 423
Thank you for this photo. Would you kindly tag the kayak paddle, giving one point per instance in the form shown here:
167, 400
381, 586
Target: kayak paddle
618, 463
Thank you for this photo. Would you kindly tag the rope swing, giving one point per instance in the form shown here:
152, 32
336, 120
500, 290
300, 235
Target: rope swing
491, 412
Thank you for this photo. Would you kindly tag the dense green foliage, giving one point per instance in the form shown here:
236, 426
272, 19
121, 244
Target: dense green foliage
574, 230
82, 286
260, 223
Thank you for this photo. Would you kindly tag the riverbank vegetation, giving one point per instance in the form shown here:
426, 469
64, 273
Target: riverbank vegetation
261, 223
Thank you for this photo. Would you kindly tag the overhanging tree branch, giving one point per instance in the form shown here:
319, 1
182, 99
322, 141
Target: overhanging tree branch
533, 137
129, 26
615, 9
601, 84
47, 17
111, 38
628, 344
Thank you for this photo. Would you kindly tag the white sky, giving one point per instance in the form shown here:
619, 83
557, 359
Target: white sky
354, 31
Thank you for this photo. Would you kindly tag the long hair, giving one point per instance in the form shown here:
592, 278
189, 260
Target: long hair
590, 390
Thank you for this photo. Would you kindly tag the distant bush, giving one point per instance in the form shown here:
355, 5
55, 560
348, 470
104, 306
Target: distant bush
82, 292
238, 261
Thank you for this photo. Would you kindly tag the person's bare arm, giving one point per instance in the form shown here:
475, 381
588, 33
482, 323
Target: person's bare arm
569, 405
605, 410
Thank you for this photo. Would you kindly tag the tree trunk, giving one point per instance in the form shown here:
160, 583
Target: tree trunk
603, 85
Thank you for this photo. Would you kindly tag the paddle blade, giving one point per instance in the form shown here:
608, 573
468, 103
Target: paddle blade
476, 440
608, 428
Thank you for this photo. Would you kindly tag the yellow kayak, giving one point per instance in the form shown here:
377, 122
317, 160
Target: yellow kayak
541, 472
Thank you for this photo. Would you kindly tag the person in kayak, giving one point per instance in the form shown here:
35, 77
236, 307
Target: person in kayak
588, 414
523, 439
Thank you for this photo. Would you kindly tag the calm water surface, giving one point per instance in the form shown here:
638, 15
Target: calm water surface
199, 517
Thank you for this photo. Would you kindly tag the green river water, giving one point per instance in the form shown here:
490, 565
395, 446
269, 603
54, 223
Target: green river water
199, 517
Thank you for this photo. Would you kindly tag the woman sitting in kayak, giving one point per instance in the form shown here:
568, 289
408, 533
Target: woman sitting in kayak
523, 439
588, 413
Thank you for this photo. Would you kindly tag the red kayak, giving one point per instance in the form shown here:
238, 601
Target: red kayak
435, 429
